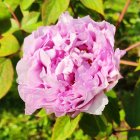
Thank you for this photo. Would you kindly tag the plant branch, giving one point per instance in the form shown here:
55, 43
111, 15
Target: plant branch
130, 129
13, 14
133, 46
130, 63
123, 13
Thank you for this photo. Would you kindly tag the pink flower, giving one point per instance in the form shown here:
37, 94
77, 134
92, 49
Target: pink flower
67, 67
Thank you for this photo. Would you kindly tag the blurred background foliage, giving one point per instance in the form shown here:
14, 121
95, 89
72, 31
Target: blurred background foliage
121, 117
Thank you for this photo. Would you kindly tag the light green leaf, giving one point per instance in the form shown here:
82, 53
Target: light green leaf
32, 27
4, 12
8, 45
122, 115
96, 5
30, 22
31, 18
137, 68
51, 10
64, 127
25, 4
6, 76
25, 13
41, 113
112, 137
12, 3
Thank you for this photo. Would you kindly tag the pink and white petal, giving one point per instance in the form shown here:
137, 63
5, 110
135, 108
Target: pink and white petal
98, 104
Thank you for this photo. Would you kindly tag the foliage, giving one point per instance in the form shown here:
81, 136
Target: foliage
64, 127
5, 81
51, 9
120, 119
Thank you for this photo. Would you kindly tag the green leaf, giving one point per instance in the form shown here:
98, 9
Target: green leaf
6, 76
41, 113
12, 3
79, 135
64, 127
122, 135
96, 5
51, 10
112, 137
30, 22
13, 27
4, 25
8, 45
122, 115
4, 12
95, 126
30, 18
32, 27
112, 109
25, 4
137, 68
131, 103
134, 135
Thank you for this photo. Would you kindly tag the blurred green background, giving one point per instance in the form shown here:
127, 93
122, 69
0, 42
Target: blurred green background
121, 117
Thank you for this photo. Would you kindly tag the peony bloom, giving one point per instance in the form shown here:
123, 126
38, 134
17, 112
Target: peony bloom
67, 67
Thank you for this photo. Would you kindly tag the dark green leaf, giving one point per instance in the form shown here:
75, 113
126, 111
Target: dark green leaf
4, 25
51, 10
95, 126
8, 45
134, 135
64, 127
6, 76
10, 26
131, 102
96, 5
112, 109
